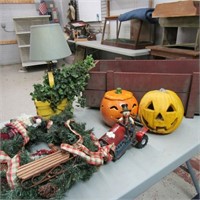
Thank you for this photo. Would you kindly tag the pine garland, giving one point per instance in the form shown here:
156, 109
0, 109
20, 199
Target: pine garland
78, 169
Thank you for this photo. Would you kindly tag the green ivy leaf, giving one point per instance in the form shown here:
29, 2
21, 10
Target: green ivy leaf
70, 82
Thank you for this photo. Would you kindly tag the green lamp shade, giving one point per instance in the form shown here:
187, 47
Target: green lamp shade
47, 43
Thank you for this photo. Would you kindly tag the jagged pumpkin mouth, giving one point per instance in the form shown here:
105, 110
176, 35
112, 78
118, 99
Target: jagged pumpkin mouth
159, 128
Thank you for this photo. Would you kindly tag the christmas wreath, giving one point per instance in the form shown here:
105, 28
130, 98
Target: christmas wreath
19, 136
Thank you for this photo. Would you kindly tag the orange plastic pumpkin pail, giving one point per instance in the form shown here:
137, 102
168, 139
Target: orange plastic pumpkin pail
111, 105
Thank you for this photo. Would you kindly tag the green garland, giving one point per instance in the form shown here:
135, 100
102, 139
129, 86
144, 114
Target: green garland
79, 170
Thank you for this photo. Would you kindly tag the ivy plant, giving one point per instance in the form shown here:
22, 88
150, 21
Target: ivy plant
69, 82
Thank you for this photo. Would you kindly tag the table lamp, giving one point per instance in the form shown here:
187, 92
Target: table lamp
47, 43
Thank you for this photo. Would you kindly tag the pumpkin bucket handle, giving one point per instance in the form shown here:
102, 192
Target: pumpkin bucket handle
51, 78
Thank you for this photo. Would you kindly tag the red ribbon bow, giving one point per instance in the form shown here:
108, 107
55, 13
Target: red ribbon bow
93, 158
13, 163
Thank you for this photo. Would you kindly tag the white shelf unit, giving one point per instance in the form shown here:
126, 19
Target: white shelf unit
22, 30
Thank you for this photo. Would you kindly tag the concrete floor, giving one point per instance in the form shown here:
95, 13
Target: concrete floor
15, 88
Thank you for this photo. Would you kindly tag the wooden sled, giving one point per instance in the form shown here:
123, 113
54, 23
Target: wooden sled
42, 169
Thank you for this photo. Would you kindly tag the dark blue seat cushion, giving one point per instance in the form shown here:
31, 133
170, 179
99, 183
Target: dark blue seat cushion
144, 14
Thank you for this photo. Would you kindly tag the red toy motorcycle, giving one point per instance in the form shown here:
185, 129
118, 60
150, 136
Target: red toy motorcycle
123, 138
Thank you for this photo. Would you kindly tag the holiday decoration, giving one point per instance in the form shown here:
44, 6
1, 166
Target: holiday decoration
161, 111
15, 153
43, 8
124, 134
93, 158
44, 109
49, 165
74, 153
62, 87
47, 191
126, 118
111, 103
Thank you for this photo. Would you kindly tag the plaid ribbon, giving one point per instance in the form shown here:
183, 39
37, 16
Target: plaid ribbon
93, 158
13, 163
19, 127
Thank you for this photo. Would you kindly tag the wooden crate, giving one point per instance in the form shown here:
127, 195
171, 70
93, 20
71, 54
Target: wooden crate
173, 16
177, 9
141, 76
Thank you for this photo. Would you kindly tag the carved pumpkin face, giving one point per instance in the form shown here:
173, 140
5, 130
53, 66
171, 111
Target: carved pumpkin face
161, 111
111, 105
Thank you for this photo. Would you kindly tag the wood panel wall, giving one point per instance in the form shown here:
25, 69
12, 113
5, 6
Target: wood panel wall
5, 42
17, 1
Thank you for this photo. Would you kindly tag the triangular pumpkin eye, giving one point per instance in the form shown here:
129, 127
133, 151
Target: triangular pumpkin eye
171, 108
150, 106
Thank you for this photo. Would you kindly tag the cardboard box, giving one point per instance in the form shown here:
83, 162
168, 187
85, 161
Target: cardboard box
141, 76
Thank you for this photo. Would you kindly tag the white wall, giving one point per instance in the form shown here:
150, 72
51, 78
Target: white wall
118, 7
9, 54
62, 6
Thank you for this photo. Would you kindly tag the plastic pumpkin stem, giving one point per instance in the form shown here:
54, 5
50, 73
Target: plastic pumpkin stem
162, 90
118, 91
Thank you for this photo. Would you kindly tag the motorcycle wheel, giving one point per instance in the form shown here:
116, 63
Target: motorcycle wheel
143, 142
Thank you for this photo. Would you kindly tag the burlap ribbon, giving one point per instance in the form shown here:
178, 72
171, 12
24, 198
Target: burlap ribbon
93, 158
13, 163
